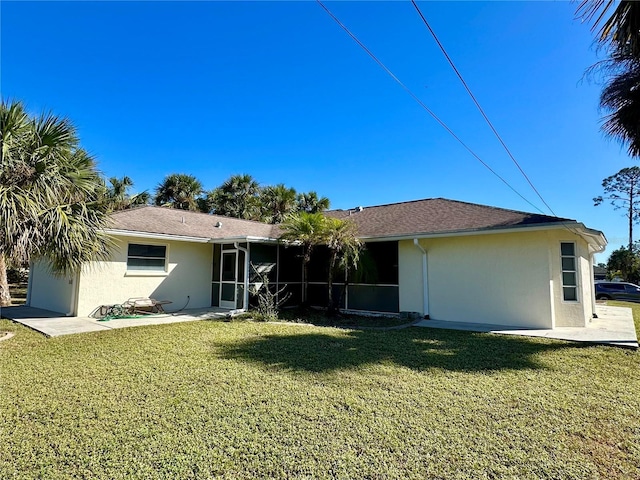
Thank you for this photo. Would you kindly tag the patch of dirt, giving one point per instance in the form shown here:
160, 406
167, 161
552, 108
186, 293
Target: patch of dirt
6, 335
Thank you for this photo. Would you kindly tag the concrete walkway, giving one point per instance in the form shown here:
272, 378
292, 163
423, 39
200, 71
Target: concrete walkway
614, 326
54, 324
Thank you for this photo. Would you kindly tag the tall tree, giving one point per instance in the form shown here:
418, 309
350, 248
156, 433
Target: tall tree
179, 190
623, 191
344, 246
311, 203
310, 230
276, 202
236, 197
48, 203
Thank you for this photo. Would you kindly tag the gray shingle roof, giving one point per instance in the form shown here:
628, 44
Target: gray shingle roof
418, 217
437, 215
170, 221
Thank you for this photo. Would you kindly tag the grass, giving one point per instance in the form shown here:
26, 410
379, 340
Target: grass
257, 400
320, 318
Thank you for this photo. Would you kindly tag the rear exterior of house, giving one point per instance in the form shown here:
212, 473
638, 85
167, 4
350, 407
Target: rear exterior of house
442, 259
513, 279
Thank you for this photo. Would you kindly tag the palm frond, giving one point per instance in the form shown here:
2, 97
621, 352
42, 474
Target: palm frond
48, 187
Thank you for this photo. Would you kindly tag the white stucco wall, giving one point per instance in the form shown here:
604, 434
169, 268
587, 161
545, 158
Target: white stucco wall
188, 274
510, 279
50, 292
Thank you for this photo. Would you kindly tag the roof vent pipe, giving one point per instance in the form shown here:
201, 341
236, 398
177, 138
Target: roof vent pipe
182, 219
219, 225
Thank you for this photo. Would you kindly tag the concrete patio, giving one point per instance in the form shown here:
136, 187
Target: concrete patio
52, 324
614, 327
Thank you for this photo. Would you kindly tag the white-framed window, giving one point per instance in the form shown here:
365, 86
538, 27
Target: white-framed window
569, 271
141, 257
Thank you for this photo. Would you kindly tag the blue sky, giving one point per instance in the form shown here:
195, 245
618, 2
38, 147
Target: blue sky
279, 91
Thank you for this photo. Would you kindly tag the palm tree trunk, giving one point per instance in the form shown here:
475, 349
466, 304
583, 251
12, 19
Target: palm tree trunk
331, 307
343, 293
306, 258
5, 296
305, 284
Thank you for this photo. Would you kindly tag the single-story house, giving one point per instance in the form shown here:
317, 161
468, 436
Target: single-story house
599, 273
444, 259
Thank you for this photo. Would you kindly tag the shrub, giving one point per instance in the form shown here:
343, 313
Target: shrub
269, 301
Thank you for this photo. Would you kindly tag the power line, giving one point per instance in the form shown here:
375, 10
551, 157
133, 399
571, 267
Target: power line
427, 109
484, 115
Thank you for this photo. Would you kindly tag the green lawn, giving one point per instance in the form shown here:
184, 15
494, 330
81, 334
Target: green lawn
247, 400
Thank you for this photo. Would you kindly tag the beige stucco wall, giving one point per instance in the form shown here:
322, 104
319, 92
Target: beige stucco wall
188, 274
50, 292
506, 279
571, 314
410, 277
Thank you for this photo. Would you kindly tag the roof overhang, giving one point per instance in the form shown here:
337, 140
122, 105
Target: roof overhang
595, 238
184, 238
244, 238
156, 236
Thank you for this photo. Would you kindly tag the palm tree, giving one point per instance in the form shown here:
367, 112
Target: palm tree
621, 97
179, 190
117, 195
142, 198
344, 250
309, 230
119, 188
621, 30
276, 202
49, 208
236, 197
620, 35
309, 202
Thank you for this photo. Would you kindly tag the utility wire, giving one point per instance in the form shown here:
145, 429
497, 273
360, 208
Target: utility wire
427, 109
437, 119
484, 115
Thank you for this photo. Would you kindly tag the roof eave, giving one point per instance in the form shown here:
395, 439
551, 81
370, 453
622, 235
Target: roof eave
186, 238
598, 241
156, 236
596, 235
243, 238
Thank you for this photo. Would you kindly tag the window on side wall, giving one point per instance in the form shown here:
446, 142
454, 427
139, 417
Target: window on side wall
569, 272
150, 258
